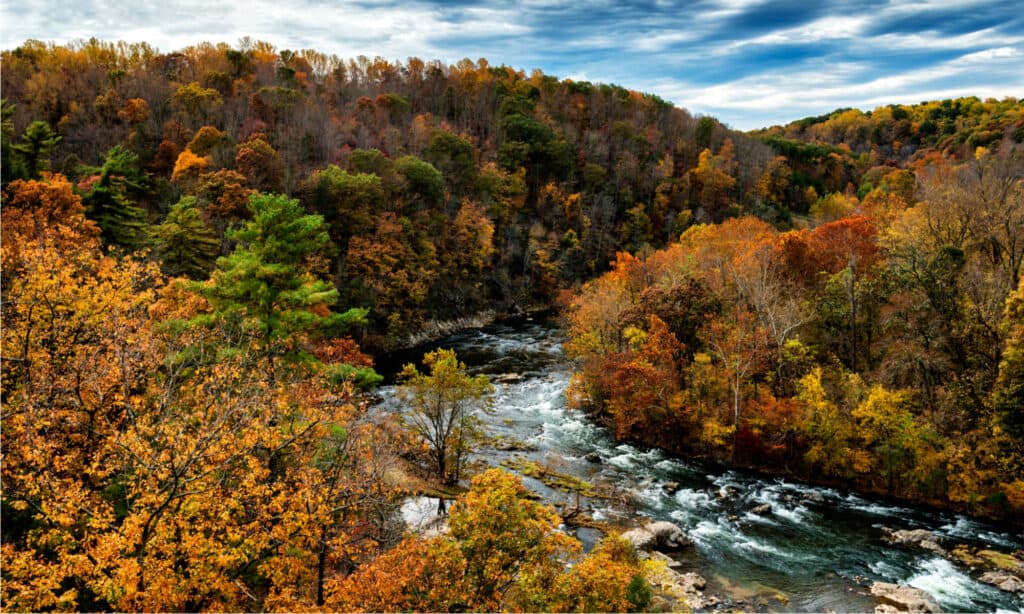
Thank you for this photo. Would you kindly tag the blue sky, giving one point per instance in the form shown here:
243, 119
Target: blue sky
750, 63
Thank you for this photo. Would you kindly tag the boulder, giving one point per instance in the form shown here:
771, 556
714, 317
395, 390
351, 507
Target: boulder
641, 538
1003, 581
691, 582
508, 378
814, 497
664, 558
762, 510
593, 457
687, 587
659, 534
668, 535
914, 537
671, 487
904, 598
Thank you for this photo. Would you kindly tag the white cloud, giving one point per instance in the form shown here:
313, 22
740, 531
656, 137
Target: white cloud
764, 99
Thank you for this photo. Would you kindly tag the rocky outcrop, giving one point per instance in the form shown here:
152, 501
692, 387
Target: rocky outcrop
903, 598
1003, 581
688, 587
660, 534
661, 557
914, 537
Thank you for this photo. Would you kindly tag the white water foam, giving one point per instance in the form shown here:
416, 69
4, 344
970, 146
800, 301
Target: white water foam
949, 586
854, 502
969, 529
887, 571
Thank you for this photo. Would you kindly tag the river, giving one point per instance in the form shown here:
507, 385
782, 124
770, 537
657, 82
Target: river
818, 550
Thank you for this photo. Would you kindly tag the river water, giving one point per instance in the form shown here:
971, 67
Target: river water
818, 550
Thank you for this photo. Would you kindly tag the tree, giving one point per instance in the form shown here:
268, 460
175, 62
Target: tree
260, 164
889, 430
609, 579
183, 243
1009, 392
267, 287
830, 431
348, 202
11, 167
442, 409
133, 481
196, 102
714, 180
188, 168
35, 146
504, 553
739, 343
453, 156
642, 384
46, 210
112, 199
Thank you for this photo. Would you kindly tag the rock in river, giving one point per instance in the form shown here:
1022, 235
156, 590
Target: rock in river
914, 537
904, 598
1003, 581
762, 510
660, 534
593, 457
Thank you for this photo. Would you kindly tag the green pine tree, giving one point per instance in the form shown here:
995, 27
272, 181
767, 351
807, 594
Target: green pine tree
266, 287
35, 146
111, 201
183, 243
11, 165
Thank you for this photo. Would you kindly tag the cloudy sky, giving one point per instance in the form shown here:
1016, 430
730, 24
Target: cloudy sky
751, 63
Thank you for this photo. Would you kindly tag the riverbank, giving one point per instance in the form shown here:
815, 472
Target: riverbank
808, 476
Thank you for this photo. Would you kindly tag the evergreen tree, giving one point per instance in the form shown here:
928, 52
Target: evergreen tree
111, 201
37, 142
183, 243
268, 288
11, 166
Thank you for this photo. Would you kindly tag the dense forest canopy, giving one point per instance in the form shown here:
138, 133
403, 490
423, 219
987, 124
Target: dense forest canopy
200, 247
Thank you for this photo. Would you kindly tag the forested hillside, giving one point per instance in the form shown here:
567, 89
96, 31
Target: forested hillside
202, 249
447, 190
877, 344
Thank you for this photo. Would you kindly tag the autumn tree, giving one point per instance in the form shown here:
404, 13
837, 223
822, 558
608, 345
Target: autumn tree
442, 409
197, 103
713, 180
187, 486
503, 552
1009, 392
260, 164
738, 342
830, 430
891, 432
642, 385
